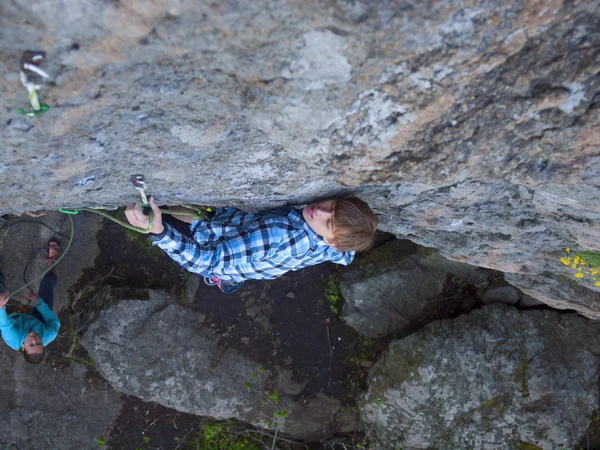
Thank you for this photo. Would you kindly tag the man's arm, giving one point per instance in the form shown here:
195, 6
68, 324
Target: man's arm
184, 251
188, 253
52, 322
7, 327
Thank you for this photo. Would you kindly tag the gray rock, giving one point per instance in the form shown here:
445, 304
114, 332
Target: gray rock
398, 286
492, 379
470, 151
162, 353
501, 292
52, 407
528, 302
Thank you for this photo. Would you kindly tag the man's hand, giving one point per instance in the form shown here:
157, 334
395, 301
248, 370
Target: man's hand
32, 298
136, 217
4, 297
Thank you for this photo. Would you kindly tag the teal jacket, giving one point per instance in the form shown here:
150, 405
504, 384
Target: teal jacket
16, 327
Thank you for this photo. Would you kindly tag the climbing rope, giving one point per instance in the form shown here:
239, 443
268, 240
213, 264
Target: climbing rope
39, 277
138, 182
195, 213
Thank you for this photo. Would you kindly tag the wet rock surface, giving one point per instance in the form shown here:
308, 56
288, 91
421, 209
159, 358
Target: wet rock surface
494, 378
399, 287
51, 406
471, 128
163, 353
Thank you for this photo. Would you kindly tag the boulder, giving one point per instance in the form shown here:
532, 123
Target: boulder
161, 352
52, 406
400, 286
497, 378
500, 291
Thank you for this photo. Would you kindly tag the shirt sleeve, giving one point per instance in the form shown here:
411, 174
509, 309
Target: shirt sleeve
186, 252
52, 322
9, 333
343, 258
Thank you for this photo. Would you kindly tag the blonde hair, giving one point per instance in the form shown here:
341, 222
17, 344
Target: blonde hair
354, 225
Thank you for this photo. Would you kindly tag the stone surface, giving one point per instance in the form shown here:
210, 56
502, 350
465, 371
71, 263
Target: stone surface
501, 292
163, 353
52, 407
399, 286
471, 128
492, 379
528, 302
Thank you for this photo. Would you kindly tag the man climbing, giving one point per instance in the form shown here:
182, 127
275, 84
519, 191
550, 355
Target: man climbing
235, 246
32, 332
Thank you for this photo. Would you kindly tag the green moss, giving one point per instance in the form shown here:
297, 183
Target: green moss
565, 279
408, 364
521, 375
527, 446
143, 242
387, 255
496, 403
540, 434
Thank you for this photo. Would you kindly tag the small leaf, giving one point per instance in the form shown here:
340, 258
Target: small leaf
274, 396
248, 386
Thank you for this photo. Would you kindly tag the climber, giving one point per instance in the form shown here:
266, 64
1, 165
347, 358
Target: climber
32, 332
235, 246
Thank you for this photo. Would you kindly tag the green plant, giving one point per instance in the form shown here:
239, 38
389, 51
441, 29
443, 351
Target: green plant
216, 436
270, 401
101, 442
460, 285
583, 263
332, 294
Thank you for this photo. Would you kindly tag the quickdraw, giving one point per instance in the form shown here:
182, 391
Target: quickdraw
29, 65
138, 183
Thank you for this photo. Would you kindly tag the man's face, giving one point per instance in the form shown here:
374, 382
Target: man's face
33, 344
319, 216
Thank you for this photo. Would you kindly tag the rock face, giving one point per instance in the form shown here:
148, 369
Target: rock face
45, 407
471, 128
163, 353
496, 378
399, 286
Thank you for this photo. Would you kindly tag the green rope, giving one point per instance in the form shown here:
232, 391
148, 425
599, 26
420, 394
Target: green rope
194, 212
119, 221
55, 262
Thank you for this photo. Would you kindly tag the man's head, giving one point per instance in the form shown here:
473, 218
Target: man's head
345, 224
33, 349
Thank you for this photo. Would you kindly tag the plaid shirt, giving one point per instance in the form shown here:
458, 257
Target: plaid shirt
238, 246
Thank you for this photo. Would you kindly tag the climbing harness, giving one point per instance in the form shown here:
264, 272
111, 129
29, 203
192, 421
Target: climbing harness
29, 65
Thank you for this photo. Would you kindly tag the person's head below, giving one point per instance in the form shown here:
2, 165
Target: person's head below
33, 349
345, 223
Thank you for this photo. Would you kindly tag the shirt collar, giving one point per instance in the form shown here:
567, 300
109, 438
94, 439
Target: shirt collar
296, 216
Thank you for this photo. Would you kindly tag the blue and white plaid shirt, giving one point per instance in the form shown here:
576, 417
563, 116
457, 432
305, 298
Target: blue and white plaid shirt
239, 246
